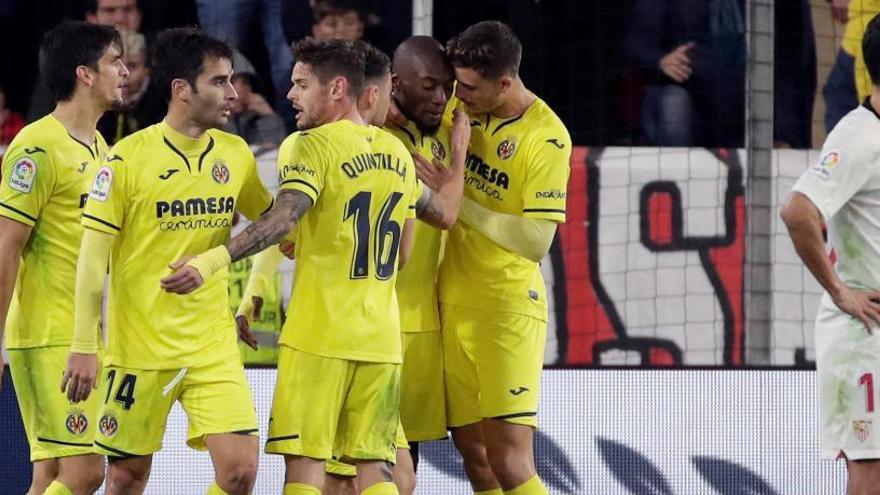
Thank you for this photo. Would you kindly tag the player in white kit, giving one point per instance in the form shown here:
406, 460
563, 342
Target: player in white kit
843, 189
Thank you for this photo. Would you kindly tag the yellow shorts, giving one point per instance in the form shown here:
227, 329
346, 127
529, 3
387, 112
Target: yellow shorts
422, 398
216, 398
339, 468
493, 364
54, 426
325, 407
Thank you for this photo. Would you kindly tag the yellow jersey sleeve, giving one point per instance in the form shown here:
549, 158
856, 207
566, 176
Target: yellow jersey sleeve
303, 168
107, 204
546, 181
28, 179
254, 199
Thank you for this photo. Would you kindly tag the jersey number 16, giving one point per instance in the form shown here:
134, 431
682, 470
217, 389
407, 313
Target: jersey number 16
385, 236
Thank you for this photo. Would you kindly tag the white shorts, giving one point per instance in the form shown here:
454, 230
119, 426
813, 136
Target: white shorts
848, 376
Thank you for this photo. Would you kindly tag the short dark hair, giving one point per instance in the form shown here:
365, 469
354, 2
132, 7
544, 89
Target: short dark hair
68, 46
871, 49
92, 5
332, 58
376, 63
324, 8
489, 47
180, 53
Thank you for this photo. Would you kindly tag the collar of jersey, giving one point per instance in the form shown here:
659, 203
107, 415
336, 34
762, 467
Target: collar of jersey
501, 123
185, 144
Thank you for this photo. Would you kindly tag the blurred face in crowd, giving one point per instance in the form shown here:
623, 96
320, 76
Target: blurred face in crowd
375, 100
108, 81
481, 95
121, 14
138, 75
309, 97
421, 90
210, 102
343, 26
244, 91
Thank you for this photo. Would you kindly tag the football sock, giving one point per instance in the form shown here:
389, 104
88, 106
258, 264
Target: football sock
215, 489
300, 489
57, 488
531, 487
384, 488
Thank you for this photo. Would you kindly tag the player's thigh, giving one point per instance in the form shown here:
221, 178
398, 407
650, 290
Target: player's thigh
217, 399
370, 419
309, 392
460, 373
55, 427
422, 394
863, 477
509, 350
848, 373
135, 409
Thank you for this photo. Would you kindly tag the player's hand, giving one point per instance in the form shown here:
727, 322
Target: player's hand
287, 248
863, 305
184, 279
461, 136
677, 63
840, 10
244, 331
432, 173
2, 368
80, 377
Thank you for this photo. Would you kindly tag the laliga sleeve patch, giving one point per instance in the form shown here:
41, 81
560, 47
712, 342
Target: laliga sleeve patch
826, 164
101, 187
23, 174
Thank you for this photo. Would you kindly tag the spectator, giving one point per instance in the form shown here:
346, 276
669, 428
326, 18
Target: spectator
385, 23
232, 21
142, 106
338, 19
121, 14
10, 123
695, 53
252, 118
794, 74
848, 82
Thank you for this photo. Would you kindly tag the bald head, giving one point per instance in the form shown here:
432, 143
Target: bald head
422, 81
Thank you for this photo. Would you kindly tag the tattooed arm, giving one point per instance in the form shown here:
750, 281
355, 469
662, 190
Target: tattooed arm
290, 206
190, 272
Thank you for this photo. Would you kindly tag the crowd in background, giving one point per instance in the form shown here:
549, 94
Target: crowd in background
639, 72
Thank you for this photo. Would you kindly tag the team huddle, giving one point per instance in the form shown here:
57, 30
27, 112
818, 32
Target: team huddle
416, 217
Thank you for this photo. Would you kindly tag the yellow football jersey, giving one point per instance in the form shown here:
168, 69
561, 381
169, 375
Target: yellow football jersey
165, 195
417, 283
362, 181
45, 183
517, 166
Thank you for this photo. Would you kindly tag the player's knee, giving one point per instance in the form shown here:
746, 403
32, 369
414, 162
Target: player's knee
87, 479
506, 461
44, 473
125, 479
239, 476
405, 481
